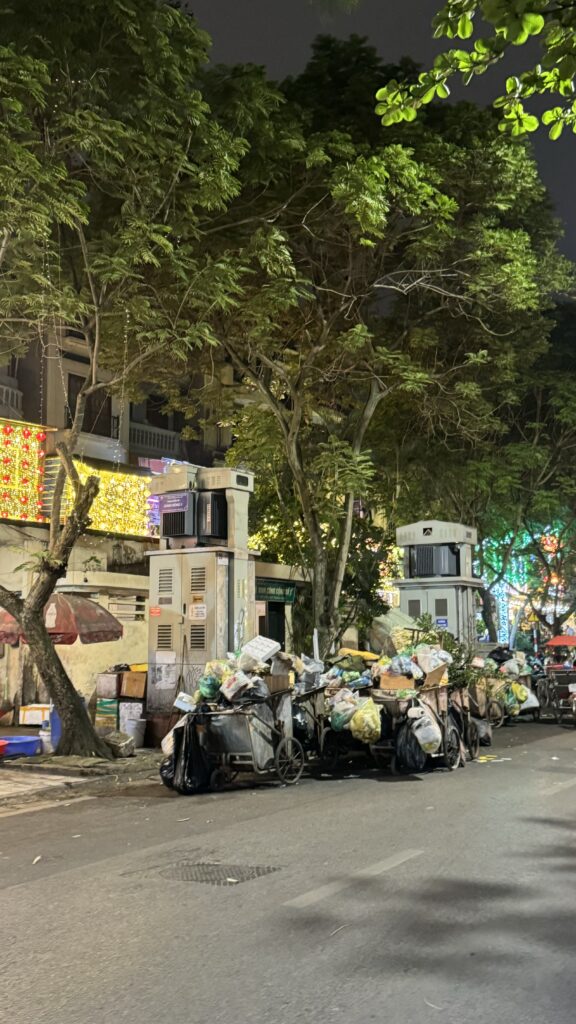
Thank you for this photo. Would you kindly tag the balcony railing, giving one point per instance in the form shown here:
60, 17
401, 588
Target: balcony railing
152, 441
10, 402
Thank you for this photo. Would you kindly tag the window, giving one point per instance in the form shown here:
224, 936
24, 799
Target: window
414, 609
98, 413
441, 607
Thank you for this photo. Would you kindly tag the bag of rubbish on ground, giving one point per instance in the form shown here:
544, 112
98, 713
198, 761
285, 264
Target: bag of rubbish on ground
167, 771
427, 732
365, 723
342, 714
235, 685
531, 702
209, 687
484, 732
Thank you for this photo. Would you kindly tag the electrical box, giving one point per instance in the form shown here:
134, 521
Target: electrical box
178, 513
180, 477
202, 605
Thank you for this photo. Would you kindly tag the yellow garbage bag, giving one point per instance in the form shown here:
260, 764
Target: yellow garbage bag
365, 723
520, 692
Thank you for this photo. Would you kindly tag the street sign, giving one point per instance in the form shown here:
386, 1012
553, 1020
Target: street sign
275, 590
442, 623
177, 502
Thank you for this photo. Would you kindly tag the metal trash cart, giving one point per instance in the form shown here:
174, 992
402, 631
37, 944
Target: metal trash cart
311, 721
562, 696
254, 738
397, 743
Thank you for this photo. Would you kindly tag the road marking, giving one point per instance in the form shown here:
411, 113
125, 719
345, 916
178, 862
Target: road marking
558, 787
44, 805
307, 899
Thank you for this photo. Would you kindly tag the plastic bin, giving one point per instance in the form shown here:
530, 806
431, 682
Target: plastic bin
136, 727
21, 746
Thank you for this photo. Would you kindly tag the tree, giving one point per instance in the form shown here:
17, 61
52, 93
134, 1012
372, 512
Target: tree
110, 161
382, 284
550, 29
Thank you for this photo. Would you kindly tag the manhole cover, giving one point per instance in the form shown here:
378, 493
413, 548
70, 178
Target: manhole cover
214, 874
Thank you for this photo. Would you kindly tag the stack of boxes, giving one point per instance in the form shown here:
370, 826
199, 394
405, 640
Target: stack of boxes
120, 698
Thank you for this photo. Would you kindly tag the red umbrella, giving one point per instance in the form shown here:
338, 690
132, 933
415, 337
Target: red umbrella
67, 618
562, 641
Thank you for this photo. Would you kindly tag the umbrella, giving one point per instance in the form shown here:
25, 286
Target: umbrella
67, 618
562, 641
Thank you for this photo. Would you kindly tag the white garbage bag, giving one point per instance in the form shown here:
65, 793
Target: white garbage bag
428, 733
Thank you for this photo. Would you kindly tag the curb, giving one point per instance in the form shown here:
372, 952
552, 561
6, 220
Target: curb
77, 787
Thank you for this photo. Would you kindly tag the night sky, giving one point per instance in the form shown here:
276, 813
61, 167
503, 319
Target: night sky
278, 33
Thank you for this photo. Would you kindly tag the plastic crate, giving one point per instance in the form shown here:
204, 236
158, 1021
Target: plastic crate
21, 746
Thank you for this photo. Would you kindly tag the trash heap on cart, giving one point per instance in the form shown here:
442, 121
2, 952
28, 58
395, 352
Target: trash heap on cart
267, 713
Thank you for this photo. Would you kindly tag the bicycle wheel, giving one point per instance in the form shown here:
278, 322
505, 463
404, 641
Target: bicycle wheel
452, 751
495, 713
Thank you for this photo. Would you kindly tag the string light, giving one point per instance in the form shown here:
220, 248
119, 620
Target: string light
22, 451
121, 505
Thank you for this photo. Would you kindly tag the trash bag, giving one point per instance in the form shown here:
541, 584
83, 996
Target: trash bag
256, 693
520, 692
209, 686
167, 771
342, 714
365, 723
234, 686
401, 665
220, 669
428, 733
409, 754
484, 732
192, 768
310, 677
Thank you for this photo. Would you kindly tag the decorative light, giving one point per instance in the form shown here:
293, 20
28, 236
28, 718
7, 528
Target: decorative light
121, 505
23, 445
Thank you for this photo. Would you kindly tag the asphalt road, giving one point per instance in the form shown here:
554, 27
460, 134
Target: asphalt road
445, 897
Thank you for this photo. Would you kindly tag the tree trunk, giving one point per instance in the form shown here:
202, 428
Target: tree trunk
488, 615
78, 734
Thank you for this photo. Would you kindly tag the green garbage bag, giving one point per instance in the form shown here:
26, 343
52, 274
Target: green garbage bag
209, 687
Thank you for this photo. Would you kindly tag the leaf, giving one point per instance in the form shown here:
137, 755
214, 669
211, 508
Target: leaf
556, 130
465, 27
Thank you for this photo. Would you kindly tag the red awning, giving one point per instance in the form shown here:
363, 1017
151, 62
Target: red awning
68, 617
562, 641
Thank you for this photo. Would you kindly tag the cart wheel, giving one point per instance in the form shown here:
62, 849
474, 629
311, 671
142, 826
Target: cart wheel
495, 714
536, 715
452, 752
394, 767
473, 740
218, 780
289, 760
331, 750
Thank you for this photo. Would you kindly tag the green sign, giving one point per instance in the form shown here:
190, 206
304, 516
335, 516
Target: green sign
275, 590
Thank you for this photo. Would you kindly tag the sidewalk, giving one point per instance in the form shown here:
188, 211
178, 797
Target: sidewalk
48, 777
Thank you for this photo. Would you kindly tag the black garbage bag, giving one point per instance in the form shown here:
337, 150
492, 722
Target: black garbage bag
192, 768
167, 771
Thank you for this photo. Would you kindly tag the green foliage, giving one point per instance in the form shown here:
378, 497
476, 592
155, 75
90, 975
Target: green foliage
546, 25
388, 299
111, 161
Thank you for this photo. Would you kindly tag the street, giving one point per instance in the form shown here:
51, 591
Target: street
442, 897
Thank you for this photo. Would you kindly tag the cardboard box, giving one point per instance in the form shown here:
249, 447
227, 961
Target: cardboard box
33, 714
106, 714
279, 683
133, 685
129, 711
108, 685
436, 676
386, 681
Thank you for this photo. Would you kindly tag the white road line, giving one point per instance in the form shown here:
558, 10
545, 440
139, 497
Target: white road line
307, 899
558, 787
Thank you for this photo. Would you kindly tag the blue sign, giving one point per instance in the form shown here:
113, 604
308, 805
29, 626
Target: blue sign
174, 502
443, 623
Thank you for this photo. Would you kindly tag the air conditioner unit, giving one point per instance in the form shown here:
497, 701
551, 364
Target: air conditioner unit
177, 478
212, 517
433, 560
178, 514
221, 479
